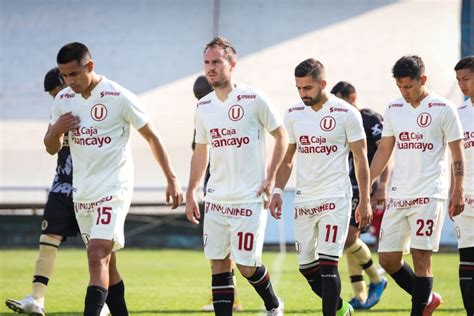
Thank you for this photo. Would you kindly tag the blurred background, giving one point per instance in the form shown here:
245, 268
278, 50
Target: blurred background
154, 48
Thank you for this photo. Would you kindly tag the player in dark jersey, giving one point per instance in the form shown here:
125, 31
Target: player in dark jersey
201, 88
359, 258
59, 221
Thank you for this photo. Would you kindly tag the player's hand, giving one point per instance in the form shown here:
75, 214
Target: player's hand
174, 192
192, 209
266, 188
65, 123
456, 204
363, 214
379, 197
276, 204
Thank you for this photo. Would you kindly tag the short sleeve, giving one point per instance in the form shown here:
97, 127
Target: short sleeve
289, 128
354, 127
201, 133
452, 127
133, 111
55, 112
387, 126
266, 114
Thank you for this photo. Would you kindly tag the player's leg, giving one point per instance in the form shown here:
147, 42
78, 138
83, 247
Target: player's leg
393, 241
465, 234
116, 291
332, 233
247, 235
216, 241
426, 221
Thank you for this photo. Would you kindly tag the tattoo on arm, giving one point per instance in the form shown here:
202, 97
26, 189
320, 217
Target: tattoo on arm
458, 168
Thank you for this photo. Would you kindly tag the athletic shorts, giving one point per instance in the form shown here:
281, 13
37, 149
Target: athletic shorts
236, 229
465, 224
321, 228
352, 222
103, 219
412, 223
59, 217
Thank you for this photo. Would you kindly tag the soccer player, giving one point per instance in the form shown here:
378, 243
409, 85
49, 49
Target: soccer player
59, 220
322, 130
201, 88
465, 221
418, 127
359, 258
97, 113
232, 121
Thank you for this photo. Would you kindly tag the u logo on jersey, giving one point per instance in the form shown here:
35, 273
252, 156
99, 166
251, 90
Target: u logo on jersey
236, 112
99, 112
424, 119
327, 123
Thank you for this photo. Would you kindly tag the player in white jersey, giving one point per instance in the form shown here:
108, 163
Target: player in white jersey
322, 130
98, 113
465, 221
418, 128
232, 121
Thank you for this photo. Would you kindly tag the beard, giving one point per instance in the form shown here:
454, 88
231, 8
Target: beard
219, 82
312, 101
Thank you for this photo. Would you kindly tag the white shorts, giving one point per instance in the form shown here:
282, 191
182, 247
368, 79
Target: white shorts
103, 219
236, 229
412, 223
465, 224
321, 226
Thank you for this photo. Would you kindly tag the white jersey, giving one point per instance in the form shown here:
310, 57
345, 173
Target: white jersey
235, 131
421, 167
322, 144
100, 147
466, 115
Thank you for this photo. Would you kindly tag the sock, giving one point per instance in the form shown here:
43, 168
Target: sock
95, 299
364, 258
116, 299
331, 284
311, 271
260, 280
223, 293
405, 278
466, 278
421, 294
48, 248
357, 279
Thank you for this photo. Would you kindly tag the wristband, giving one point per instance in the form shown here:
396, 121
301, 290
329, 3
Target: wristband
277, 191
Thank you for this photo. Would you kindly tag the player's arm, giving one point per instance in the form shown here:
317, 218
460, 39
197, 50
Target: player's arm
381, 157
363, 212
53, 139
282, 176
173, 189
456, 202
281, 144
199, 162
379, 196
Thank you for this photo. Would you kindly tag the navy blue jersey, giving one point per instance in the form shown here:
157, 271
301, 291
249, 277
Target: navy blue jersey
373, 124
63, 180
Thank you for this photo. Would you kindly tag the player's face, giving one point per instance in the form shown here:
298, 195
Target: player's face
217, 67
411, 89
78, 77
310, 90
55, 91
466, 82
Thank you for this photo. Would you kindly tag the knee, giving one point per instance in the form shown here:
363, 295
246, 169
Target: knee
97, 257
391, 264
221, 266
246, 271
352, 236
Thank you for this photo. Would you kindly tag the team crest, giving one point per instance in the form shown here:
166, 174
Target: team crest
236, 112
44, 224
424, 119
328, 123
99, 112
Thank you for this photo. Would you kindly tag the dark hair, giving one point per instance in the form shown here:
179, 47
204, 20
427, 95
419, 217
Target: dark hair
310, 67
409, 66
465, 63
53, 79
72, 52
344, 88
201, 87
223, 43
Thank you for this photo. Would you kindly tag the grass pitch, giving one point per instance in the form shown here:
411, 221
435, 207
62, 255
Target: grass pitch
177, 282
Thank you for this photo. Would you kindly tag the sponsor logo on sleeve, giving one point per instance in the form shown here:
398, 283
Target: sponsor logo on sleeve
432, 104
109, 93
67, 96
297, 108
334, 109
395, 105
203, 103
246, 97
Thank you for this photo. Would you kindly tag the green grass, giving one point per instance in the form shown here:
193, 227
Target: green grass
177, 282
